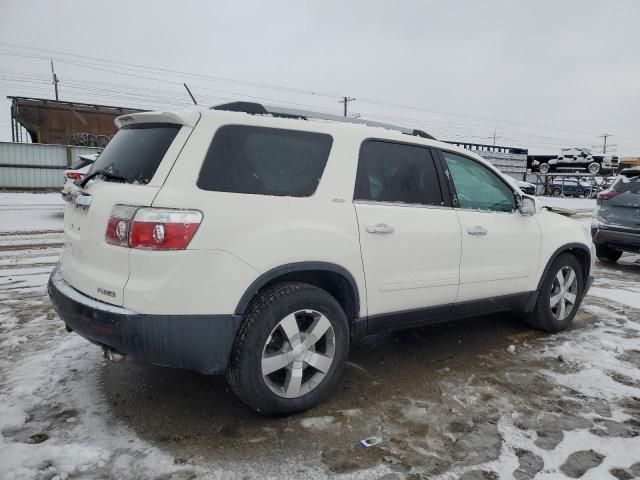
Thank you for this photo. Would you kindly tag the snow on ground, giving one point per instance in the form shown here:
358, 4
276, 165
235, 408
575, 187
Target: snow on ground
579, 204
447, 401
30, 211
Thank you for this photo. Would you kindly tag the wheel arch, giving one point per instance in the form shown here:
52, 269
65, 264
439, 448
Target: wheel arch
333, 278
579, 250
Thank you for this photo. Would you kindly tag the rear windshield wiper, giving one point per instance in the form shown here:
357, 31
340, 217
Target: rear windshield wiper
105, 174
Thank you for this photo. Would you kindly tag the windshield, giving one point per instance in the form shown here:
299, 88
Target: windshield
135, 151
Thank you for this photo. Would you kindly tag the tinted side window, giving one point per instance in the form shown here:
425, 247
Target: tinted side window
265, 161
477, 187
394, 172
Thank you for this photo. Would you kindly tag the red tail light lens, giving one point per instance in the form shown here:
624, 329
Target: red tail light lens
75, 175
608, 194
119, 224
152, 228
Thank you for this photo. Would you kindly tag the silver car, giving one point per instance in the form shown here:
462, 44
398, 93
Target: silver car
616, 221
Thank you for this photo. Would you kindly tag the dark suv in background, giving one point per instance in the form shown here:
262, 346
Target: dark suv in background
616, 221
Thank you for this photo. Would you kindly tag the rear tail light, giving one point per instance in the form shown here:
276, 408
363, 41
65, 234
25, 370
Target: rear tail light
608, 194
119, 225
75, 175
152, 228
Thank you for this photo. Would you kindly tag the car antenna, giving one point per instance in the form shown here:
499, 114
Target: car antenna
190, 94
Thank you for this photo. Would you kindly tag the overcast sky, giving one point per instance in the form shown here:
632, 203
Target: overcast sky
544, 74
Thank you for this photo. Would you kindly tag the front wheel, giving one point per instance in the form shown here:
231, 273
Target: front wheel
290, 350
559, 296
544, 168
556, 192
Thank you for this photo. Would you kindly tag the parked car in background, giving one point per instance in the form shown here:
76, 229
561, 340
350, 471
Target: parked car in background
575, 160
616, 219
261, 241
571, 187
526, 187
77, 172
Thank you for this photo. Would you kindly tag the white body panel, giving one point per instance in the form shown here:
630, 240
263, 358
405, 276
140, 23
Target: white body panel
416, 265
429, 259
502, 261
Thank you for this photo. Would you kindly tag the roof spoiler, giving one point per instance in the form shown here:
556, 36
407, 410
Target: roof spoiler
188, 117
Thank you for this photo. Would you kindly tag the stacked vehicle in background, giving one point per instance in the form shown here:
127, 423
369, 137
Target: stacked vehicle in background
574, 159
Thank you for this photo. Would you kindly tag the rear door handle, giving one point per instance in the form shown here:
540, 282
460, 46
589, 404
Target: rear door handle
477, 231
380, 228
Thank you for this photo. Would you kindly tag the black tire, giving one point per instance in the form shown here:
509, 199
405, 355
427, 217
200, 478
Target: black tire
542, 316
263, 315
607, 254
556, 191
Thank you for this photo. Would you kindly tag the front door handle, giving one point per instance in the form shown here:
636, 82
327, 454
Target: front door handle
477, 231
380, 228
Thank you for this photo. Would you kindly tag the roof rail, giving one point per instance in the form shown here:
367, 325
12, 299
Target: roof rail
260, 109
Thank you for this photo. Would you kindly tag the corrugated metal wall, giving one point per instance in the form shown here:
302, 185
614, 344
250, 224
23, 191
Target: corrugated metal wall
33, 165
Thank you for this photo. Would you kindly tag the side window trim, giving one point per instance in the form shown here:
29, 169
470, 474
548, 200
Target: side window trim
449, 179
432, 156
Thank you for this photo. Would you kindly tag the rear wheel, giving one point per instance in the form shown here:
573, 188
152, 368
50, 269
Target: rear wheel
290, 350
559, 295
606, 254
544, 168
556, 192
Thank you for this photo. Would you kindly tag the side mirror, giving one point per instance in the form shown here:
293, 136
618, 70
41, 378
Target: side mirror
527, 206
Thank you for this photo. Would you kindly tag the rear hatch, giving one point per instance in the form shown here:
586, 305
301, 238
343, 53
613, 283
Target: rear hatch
136, 163
620, 205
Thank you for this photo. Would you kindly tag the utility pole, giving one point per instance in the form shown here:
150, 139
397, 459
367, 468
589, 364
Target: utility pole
605, 136
55, 79
494, 136
346, 100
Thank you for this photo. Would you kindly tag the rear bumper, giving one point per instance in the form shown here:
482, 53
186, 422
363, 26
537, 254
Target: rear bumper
628, 241
195, 342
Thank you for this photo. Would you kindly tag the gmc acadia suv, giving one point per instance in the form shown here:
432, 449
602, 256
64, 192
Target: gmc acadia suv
260, 242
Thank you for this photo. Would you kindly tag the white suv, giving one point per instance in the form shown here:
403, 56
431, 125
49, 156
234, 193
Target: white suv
261, 242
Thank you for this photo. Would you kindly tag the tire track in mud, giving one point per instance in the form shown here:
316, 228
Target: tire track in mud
23, 281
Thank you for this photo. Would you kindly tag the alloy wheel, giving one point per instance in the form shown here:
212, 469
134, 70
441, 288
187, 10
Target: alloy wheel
298, 353
564, 293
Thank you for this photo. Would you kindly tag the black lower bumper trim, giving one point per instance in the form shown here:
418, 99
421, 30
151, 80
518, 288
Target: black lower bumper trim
620, 240
195, 342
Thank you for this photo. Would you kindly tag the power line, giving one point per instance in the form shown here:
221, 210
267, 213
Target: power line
164, 71
158, 97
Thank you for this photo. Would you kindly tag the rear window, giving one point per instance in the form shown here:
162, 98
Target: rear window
81, 163
265, 161
136, 151
627, 182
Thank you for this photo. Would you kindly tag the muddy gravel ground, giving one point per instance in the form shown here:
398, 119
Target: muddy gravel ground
484, 398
